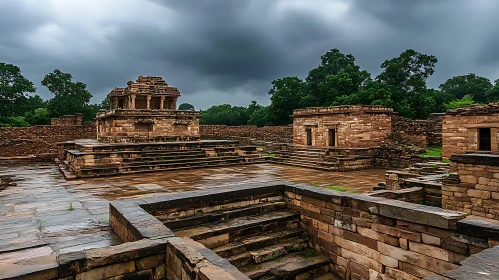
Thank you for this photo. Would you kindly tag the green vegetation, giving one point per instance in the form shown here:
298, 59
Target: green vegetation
306, 236
186, 107
337, 188
432, 152
268, 155
19, 109
70, 208
446, 161
275, 255
309, 253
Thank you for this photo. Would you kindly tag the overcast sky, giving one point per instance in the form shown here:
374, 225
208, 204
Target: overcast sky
229, 51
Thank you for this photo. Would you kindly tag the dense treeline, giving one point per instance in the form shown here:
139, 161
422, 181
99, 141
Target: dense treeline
336, 81
339, 81
18, 108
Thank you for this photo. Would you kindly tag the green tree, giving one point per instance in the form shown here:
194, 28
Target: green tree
260, 117
13, 87
492, 95
466, 100
337, 75
186, 107
470, 84
17, 121
406, 77
285, 97
70, 97
39, 116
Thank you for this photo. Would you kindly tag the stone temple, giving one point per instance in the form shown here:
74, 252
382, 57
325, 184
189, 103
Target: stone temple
146, 111
146, 192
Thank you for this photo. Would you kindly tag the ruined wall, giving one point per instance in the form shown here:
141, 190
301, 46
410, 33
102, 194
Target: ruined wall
248, 134
366, 238
460, 128
473, 186
40, 139
421, 133
354, 126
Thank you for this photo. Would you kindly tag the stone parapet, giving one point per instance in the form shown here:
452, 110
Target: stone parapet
343, 110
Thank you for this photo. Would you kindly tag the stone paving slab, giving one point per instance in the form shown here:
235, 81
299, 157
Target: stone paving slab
45, 214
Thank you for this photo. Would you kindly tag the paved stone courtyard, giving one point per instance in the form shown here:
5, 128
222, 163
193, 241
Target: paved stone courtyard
47, 215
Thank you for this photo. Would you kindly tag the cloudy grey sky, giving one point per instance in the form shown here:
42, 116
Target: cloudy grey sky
229, 51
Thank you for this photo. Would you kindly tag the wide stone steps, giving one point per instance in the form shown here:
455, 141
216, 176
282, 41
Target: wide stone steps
263, 240
304, 264
239, 228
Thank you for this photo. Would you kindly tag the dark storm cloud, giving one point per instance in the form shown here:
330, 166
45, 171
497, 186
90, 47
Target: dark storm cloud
226, 51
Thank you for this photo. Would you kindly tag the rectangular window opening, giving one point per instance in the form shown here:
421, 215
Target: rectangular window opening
484, 139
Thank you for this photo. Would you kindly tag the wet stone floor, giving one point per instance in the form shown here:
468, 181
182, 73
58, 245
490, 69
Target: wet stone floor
45, 215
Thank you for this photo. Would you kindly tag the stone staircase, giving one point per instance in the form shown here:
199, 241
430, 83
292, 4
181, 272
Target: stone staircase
81, 163
263, 241
306, 157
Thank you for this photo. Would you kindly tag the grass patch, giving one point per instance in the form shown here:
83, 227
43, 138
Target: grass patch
432, 152
70, 208
275, 256
337, 188
268, 155
309, 253
446, 160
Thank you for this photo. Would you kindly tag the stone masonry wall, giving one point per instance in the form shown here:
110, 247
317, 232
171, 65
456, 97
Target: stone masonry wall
473, 186
421, 133
248, 134
41, 139
383, 239
354, 126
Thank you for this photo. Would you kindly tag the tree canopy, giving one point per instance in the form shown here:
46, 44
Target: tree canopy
186, 107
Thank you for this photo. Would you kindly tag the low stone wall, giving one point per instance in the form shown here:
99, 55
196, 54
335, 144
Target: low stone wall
365, 237
248, 134
42, 139
421, 133
473, 186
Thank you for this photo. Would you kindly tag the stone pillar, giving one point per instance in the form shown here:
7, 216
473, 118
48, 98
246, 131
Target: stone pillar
148, 102
174, 104
133, 102
162, 104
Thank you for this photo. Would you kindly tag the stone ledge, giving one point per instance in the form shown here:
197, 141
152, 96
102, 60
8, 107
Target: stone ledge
479, 227
483, 266
476, 159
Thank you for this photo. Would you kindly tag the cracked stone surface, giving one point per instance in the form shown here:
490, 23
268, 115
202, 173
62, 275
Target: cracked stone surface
45, 215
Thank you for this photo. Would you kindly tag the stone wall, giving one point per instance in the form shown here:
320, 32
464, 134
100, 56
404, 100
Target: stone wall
473, 186
460, 129
126, 125
375, 238
353, 126
248, 134
69, 120
42, 139
421, 133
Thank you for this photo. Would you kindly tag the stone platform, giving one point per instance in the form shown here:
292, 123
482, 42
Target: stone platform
89, 158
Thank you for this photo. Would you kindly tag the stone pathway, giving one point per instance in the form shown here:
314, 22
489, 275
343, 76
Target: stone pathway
45, 215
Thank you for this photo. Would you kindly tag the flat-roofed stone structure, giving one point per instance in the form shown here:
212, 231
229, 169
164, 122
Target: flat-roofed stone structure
471, 129
145, 111
342, 126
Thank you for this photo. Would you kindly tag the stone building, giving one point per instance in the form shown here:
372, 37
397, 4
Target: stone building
145, 111
342, 126
471, 129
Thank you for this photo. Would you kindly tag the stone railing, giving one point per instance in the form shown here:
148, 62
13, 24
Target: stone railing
147, 112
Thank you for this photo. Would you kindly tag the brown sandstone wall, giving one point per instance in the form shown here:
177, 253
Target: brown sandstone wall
40, 139
421, 133
248, 134
354, 128
473, 187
